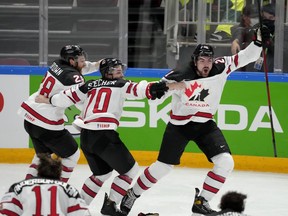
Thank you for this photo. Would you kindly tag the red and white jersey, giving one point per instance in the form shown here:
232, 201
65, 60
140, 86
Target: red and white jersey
42, 197
60, 76
200, 99
103, 101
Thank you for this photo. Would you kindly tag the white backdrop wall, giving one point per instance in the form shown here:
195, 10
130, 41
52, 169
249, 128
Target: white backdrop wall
13, 90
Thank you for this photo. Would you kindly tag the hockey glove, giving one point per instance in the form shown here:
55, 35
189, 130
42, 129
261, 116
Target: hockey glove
157, 90
262, 36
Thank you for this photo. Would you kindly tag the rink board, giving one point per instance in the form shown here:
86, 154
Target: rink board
243, 116
191, 160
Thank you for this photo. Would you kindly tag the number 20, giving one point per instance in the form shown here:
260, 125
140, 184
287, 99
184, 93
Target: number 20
102, 95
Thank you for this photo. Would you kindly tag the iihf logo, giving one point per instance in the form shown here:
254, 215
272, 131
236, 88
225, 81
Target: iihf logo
196, 93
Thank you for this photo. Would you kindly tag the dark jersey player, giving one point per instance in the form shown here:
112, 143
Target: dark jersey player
44, 122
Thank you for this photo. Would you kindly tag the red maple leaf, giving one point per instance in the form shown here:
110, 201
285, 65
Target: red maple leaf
189, 91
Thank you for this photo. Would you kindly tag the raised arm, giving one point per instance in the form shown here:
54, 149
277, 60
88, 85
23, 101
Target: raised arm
90, 67
65, 98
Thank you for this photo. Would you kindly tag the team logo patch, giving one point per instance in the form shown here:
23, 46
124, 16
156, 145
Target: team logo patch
196, 92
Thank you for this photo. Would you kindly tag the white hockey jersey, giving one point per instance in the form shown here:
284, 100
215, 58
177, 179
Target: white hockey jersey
42, 197
200, 99
103, 101
60, 76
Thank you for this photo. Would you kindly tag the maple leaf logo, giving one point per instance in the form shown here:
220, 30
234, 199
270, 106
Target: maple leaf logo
196, 93
190, 91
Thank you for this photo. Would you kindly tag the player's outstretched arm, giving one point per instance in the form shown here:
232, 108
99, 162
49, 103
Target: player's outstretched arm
158, 89
176, 85
42, 99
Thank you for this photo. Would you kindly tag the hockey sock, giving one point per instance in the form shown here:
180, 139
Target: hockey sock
150, 176
223, 166
32, 171
92, 186
68, 165
121, 183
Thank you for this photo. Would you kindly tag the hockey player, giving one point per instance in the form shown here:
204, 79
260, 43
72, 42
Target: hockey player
191, 119
43, 195
104, 150
45, 123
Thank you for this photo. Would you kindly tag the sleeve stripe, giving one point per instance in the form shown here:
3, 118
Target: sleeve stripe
74, 97
8, 212
75, 208
148, 95
236, 58
129, 88
135, 90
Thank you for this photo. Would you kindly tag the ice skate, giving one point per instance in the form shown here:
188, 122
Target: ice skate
201, 205
109, 208
128, 201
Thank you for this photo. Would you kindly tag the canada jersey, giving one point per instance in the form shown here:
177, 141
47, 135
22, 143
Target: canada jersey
200, 99
60, 76
42, 197
103, 101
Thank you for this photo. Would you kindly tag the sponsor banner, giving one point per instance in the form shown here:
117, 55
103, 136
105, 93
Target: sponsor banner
13, 89
146, 158
243, 116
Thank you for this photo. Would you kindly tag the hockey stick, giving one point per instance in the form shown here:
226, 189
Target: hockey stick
267, 82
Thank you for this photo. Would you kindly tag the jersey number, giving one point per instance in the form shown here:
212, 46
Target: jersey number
48, 84
101, 99
219, 61
53, 197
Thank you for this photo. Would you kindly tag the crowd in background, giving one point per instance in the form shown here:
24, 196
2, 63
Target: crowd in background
246, 16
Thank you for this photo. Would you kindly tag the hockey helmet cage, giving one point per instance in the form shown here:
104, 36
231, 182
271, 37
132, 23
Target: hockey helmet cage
203, 50
107, 65
71, 52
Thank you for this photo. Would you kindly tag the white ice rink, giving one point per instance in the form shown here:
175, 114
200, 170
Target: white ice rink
173, 195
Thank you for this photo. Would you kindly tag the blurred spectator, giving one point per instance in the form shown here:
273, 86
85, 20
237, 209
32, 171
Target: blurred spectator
242, 34
268, 15
223, 32
186, 8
